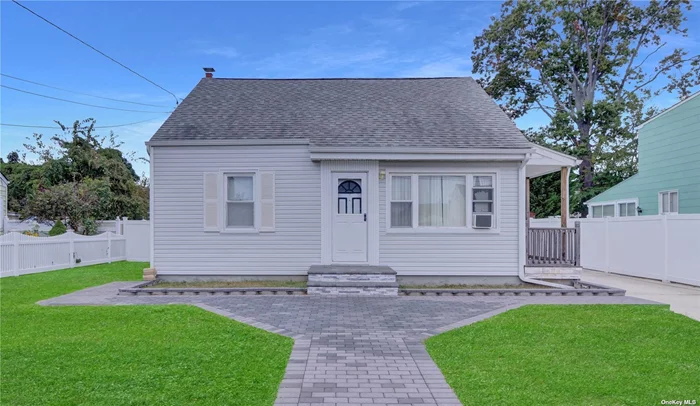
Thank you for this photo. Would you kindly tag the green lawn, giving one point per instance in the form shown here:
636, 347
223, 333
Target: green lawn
127, 355
573, 355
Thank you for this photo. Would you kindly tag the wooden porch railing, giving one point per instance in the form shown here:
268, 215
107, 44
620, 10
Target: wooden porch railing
554, 246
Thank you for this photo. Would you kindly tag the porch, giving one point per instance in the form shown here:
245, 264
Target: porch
552, 253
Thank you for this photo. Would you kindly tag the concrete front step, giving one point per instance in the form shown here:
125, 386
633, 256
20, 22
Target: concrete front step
352, 280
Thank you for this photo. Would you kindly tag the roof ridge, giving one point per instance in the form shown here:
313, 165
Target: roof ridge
309, 79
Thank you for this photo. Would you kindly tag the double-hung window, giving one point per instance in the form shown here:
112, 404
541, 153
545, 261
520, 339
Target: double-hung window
603, 210
401, 202
668, 202
432, 201
482, 201
240, 201
627, 209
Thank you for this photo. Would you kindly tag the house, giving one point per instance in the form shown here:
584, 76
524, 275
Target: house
270, 178
668, 179
3, 201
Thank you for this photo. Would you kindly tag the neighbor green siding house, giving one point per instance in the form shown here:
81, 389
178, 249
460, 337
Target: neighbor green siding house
668, 180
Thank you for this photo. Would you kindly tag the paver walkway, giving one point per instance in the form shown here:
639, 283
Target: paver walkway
349, 350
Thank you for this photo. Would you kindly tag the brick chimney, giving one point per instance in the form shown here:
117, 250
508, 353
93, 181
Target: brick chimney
209, 72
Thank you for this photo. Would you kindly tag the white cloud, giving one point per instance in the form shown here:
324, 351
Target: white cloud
405, 5
449, 66
226, 52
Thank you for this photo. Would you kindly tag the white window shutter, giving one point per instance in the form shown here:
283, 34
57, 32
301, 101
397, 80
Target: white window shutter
267, 201
211, 202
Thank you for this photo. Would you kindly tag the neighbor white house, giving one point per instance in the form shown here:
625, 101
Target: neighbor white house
3, 201
268, 177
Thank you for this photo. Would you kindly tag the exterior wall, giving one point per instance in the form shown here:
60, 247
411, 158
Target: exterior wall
3, 204
473, 252
182, 247
669, 147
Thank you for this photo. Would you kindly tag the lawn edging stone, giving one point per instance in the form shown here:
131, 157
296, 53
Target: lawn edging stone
143, 289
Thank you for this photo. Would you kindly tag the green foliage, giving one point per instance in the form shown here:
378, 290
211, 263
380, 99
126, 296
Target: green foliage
585, 66
128, 355
79, 176
572, 355
57, 229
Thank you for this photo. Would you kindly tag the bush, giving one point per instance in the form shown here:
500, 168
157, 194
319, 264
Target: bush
57, 229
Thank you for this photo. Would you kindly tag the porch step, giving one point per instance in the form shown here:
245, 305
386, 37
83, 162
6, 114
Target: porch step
553, 272
352, 280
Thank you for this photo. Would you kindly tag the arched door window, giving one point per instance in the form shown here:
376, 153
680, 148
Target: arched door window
349, 197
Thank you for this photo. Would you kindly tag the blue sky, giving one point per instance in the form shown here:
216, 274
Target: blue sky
170, 42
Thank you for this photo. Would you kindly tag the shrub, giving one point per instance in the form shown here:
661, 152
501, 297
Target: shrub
57, 229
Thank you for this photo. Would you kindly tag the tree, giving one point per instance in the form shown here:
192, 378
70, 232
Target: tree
74, 167
585, 65
80, 203
13, 157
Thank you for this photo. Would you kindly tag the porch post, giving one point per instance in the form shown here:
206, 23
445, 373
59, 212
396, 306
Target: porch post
527, 202
564, 184
564, 196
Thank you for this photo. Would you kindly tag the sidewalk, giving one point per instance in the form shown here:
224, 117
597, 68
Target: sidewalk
683, 299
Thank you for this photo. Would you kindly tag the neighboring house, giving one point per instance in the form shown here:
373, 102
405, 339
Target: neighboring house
668, 180
3, 201
256, 177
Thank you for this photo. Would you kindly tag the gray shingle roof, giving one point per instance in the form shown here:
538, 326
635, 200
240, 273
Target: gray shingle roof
422, 113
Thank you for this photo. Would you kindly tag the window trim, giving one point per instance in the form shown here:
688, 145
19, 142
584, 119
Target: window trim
255, 229
616, 205
469, 181
660, 202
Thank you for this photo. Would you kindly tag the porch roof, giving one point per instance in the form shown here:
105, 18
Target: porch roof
544, 161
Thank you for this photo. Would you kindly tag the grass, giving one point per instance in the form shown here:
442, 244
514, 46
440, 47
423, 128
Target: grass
231, 284
520, 286
573, 355
127, 355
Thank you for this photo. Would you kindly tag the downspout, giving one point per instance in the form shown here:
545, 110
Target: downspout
522, 254
151, 207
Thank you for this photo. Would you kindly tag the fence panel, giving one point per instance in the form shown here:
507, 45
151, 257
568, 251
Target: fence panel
22, 254
658, 247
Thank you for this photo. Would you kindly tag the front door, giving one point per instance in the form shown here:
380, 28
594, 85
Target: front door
349, 217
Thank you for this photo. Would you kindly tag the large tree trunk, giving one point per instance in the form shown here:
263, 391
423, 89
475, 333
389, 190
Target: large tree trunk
586, 167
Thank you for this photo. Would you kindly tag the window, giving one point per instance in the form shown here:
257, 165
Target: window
482, 201
401, 202
240, 201
432, 201
442, 201
627, 209
668, 202
603, 210
349, 197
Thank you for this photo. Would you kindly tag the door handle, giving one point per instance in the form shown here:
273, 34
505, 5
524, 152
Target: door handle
365, 216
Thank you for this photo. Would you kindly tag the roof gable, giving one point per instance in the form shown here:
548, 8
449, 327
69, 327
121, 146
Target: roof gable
381, 113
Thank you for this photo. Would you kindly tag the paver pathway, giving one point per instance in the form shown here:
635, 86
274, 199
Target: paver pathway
349, 350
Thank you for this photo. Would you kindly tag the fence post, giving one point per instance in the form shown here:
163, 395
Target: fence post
15, 253
71, 248
607, 245
577, 243
664, 224
109, 247
117, 225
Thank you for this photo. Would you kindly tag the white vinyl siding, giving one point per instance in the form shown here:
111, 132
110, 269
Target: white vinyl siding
181, 246
453, 251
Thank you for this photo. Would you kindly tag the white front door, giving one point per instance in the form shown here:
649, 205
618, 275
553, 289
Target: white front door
349, 217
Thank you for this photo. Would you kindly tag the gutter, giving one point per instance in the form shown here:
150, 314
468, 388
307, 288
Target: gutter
522, 253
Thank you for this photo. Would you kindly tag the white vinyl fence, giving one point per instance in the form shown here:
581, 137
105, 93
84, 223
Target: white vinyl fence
664, 247
121, 239
22, 254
